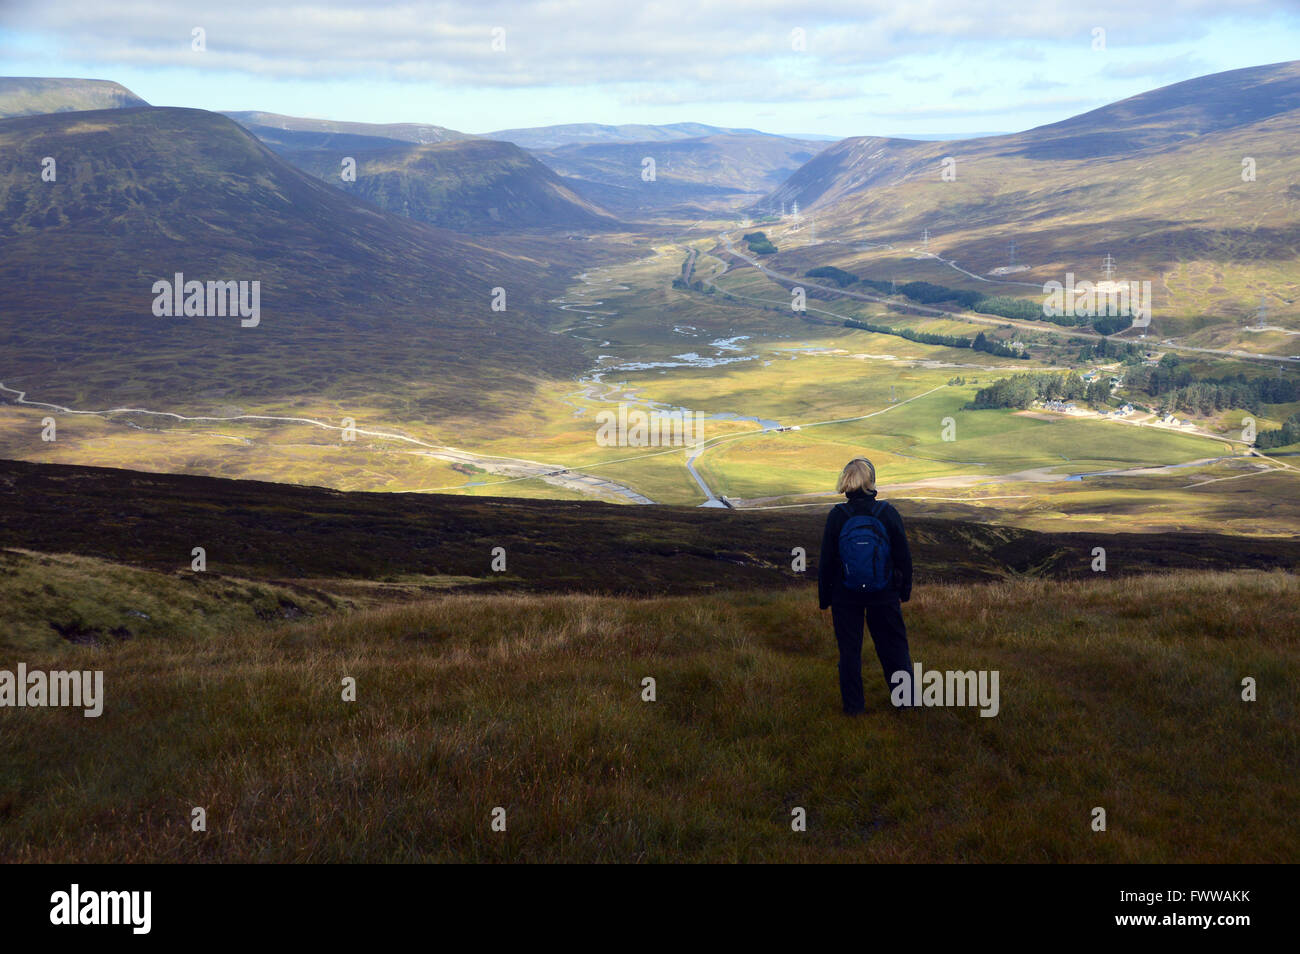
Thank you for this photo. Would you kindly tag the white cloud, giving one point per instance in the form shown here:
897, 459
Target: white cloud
697, 46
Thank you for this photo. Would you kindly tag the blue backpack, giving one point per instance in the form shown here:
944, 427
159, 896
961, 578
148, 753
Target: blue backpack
864, 551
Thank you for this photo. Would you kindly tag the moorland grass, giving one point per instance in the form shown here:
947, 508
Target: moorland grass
1116, 693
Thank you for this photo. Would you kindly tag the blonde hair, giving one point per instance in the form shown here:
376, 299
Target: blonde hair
858, 474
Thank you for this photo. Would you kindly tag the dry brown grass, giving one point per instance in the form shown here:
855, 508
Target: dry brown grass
1123, 694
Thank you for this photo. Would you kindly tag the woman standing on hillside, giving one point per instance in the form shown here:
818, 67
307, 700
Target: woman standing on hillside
865, 575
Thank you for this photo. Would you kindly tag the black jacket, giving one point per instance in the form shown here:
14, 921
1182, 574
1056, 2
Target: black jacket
830, 587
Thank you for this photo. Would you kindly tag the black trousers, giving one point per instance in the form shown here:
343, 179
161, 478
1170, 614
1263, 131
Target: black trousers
885, 621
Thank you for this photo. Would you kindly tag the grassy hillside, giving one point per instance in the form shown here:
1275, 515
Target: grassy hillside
357, 305
1120, 694
31, 95
53, 600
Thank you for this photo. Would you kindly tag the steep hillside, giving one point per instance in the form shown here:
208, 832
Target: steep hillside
851, 166
352, 300
471, 185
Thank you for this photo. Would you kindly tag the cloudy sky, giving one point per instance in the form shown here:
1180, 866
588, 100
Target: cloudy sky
858, 67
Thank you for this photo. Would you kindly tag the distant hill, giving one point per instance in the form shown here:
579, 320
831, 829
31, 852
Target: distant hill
266, 126
1155, 180
686, 170
498, 186
1168, 116
474, 184
553, 137
738, 162
431, 174
850, 166
32, 95
1161, 119
354, 301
